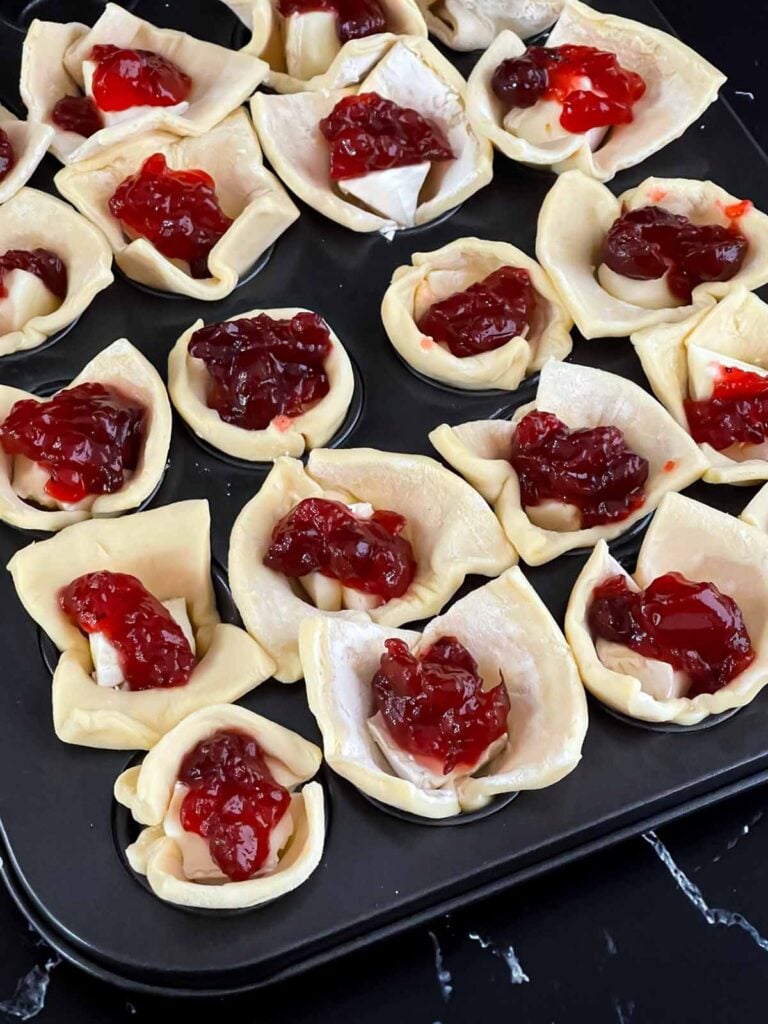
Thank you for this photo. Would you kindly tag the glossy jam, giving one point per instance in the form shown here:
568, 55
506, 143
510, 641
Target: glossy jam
593, 88
691, 626
7, 155
324, 536
435, 706
484, 316
355, 19
233, 801
591, 469
152, 649
646, 243
261, 368
736, 413
136, 78
86, 437
43, 263
368, 133
177, 211
77, 114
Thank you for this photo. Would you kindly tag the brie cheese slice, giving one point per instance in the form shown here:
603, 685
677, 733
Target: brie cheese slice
27, 297
555, 515
657, 678
110, 117
393, 193
324, 592
311, 43
704, 370
654, 294
29, 480
540, 125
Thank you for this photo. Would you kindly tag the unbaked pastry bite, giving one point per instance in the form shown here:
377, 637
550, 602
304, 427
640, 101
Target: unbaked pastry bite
475, 314
603, 94
23, 144
394, 152
96, 448
685, 637
485, 701
711, 372
656, 254
97, 86
265, 383
217, 181
52, 265
474, 24
232, 818
130, 604
590, 457
357, 534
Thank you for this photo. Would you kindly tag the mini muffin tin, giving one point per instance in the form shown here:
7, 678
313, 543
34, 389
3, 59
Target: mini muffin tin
62, 834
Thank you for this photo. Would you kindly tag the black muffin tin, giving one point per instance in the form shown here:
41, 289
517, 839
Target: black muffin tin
63, 837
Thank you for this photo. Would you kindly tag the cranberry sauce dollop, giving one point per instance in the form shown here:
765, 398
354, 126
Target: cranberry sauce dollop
435, 706
86, 437
646, 243
177, 211
151, 646
355, 19
261, 368
691, 626
591, 469
77, 114
736, 413
368, 133
43, 263
233, 801
324, 536
7, 155
594, 89
485, 316
136, 78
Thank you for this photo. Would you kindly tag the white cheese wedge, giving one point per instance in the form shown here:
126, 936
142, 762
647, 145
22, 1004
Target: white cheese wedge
27, 297
540, 125
359, 601
393, 193
311, 43
362, 510
657, 678
324, 592
29, 480
704, 368
110, 117
555, 515
654, 294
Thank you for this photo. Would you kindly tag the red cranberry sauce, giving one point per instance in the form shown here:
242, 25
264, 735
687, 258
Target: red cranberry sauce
435, 706
261, 368
594, 89
151, 645
691, 626
86, 437
233, 801
736, 413
646, 243
7, 155
591, 469
136, 78
177, 211
43, 263
324, 536
77, 114
485, 316
368, 133
355, 19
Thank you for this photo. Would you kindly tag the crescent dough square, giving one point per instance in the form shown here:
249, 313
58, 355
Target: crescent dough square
354, 59
122, 366
680, 87
433, 276
474, 24
146, 790
411, 73
30, 142
755, 513
32, 220
737, 327
573, 221
246, 190
168, 550
508, 630
51, 68
188, 380
704, 545
583, 398
453, 532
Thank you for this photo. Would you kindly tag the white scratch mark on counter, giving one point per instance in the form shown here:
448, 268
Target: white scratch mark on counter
517, 975
444, 976
624, 1012
712, 915
745, 93
610, 943
29, 997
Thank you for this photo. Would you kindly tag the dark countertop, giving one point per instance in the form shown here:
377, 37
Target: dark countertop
665, 928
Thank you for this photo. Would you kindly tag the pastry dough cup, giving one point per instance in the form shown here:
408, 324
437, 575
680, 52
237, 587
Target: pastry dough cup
575, 217
680, 87
582, 398
704, 545
188, 381
736, 327
246, 190
474, 24
121, 366
32, 220
508, 630
30, 142
453, 532
755, 512
147, 790
168, 549
432, 277
51, 67
288, 128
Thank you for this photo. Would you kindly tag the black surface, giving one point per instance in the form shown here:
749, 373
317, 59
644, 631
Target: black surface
577, 977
